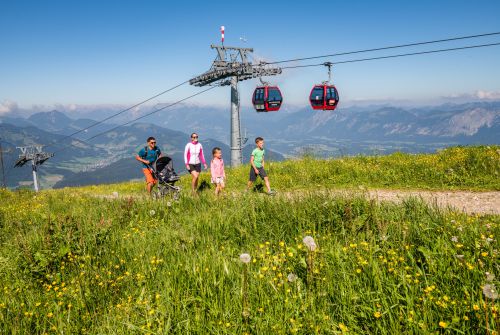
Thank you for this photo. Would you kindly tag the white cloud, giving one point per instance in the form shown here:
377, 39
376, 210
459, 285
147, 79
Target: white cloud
8, 107
488, 95
479, 94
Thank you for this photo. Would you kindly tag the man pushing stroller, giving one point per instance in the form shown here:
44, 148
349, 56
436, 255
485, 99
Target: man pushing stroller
148, 156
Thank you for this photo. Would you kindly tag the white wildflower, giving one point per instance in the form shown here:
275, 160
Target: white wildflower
490, 291
169, 204
245, 258
152, 212
309, 242
291, 277
490, 276
454, 239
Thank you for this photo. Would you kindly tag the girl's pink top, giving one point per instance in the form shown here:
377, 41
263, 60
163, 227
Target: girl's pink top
217, 168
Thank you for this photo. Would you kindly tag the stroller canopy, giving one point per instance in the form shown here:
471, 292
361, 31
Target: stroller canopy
163, 162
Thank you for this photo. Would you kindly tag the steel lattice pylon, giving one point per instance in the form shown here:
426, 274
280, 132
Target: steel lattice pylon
230, 66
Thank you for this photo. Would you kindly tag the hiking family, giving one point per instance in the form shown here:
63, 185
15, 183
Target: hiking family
194, 158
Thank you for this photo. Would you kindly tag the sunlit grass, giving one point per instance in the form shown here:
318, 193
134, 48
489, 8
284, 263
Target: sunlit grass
75, 263
459, 168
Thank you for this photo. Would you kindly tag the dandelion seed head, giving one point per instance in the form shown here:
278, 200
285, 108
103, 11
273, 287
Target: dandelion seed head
309, 242
169, 204
490, 276
291, 277
490, 291
152, 212
245, 258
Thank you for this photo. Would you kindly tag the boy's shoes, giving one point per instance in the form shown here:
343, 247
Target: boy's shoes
271, 192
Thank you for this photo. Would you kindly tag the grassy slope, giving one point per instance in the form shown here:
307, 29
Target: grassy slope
459, 168
74, 263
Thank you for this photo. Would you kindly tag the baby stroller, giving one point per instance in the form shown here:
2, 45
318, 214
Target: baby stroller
163, 171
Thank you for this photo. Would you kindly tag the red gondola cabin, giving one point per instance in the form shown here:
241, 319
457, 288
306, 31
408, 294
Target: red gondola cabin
325, 97
267, 99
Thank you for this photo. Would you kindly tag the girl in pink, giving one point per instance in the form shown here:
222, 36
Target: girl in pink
217, 170
193, 157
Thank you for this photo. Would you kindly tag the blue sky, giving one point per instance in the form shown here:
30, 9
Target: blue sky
121, 52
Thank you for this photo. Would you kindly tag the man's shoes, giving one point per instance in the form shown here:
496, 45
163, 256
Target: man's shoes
271, 192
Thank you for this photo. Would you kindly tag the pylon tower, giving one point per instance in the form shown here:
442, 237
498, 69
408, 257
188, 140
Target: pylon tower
37, 157
230, 67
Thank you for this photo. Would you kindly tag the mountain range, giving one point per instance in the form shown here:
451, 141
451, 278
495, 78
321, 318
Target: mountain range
108, 156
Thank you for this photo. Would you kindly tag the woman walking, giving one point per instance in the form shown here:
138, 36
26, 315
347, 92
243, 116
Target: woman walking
193, 158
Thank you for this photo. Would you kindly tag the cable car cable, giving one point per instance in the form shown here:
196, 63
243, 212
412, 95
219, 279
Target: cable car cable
284, 61
140, 117
394, 56
383, 48
120, 112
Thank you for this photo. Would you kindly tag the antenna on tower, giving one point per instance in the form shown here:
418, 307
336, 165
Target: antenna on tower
37, 157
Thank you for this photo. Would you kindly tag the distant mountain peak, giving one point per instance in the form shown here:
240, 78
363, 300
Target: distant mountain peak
53, 117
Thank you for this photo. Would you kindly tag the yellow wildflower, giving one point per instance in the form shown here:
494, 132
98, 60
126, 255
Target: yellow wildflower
343, 327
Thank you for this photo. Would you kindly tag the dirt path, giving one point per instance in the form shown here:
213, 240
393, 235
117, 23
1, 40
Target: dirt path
466, 201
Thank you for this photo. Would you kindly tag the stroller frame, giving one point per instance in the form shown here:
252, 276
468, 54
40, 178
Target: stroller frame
163, 171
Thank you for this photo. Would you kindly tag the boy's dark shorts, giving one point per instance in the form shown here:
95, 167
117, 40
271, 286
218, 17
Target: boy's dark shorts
195, 167
253, 176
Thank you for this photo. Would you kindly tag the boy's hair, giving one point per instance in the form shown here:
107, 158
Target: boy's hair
258, 139
214, 150
150, 138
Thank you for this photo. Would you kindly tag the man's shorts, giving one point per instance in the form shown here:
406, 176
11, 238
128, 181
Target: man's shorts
253, 176
195, 167
149, 176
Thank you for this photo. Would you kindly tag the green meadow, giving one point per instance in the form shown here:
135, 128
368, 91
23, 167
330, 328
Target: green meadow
108, 260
